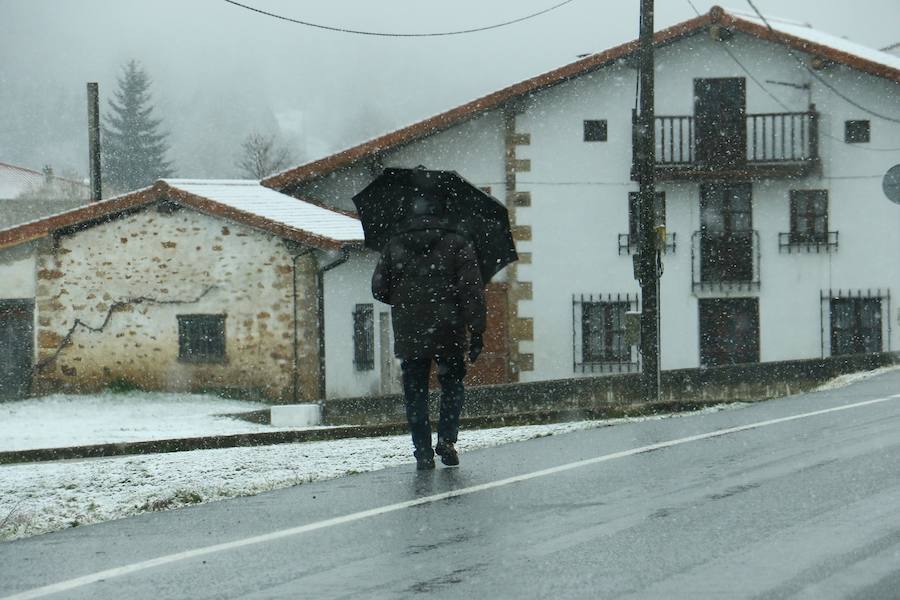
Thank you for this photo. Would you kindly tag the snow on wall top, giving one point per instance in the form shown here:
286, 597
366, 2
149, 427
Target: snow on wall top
250, 197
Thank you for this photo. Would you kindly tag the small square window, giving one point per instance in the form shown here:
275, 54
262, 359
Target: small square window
856, 132
201, 338
595, 130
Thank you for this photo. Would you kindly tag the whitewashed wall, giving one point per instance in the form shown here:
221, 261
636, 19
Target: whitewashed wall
346, 286
17, 272
475, 149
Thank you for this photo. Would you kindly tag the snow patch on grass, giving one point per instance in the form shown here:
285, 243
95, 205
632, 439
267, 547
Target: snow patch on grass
63, 420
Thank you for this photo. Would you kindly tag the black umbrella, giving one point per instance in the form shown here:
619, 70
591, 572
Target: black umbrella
386, 202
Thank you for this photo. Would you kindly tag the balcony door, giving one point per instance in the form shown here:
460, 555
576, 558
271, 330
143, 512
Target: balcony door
726, 232
720, 111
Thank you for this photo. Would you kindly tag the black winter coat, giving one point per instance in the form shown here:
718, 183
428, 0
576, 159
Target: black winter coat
429, 275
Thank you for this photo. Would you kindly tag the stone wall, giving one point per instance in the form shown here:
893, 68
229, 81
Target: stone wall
751, 382
108, 296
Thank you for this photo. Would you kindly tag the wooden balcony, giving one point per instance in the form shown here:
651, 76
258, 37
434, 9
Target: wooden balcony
774, 145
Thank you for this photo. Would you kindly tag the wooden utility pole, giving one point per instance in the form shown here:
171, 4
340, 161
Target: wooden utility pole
648, 267
93, 97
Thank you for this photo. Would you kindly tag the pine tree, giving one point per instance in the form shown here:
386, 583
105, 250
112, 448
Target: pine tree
134, 151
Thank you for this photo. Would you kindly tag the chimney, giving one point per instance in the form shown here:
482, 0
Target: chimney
93, 94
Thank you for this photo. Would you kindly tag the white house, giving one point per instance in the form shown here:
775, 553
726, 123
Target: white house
771, 149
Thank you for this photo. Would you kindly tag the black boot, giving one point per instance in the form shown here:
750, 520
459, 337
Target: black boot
424, 459
447, 452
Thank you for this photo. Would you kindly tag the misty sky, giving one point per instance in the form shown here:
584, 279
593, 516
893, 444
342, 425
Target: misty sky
220, 72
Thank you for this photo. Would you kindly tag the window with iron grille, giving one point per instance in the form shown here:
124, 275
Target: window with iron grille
364, 337
809, 216
856, 132
595, 130
201, 338
600, 338
603, 332
855, 325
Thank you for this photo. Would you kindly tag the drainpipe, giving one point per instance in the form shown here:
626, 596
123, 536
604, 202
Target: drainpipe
295, 374
320, 292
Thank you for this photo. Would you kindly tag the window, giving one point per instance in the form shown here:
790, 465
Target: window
856, 132
855, 325
809, 216
729, 331
728, 250
603, 332
364, 337
201, 338
602, 341
595, 130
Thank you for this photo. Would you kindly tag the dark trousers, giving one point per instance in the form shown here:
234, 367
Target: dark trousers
450, 371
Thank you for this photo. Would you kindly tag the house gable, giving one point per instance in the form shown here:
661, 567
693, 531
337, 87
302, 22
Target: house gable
802, 39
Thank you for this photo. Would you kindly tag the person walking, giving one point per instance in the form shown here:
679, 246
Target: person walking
429, 274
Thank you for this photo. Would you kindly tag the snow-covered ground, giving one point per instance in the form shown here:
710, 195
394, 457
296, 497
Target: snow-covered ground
72, 420
41, 497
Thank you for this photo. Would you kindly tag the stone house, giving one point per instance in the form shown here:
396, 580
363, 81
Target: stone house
185, 285
771, 147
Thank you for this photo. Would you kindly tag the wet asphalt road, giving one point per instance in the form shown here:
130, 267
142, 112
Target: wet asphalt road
805, 508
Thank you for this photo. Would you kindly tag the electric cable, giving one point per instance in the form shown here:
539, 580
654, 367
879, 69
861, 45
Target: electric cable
822, 79
403, 35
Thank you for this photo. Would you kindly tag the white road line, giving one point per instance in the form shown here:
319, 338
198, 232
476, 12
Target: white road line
78, 582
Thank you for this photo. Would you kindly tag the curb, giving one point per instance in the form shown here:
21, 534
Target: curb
341, 432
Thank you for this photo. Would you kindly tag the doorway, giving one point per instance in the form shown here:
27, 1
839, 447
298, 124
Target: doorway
729, 331
16, 347
720, 115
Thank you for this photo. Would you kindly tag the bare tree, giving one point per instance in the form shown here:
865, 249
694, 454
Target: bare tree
262, 155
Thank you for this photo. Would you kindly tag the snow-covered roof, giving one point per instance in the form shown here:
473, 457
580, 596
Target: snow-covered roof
15, 181
250, 197
242, 201
794, 35
806, 32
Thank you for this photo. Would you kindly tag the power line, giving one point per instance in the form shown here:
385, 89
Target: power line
392, 34
822, 79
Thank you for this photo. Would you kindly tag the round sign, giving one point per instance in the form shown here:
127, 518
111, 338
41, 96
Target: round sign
891, 184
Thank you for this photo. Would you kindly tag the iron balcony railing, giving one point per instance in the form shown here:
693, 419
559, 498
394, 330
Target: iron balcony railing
771, 139
826, 241
725, 261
